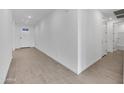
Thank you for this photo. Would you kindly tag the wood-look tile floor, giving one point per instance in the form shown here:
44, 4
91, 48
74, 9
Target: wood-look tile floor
30, 66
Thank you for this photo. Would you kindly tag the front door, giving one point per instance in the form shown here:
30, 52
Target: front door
26, 38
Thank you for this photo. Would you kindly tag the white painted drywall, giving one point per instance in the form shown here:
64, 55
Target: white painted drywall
56, 36
82, 19
72, 37
24, 39
121, 27
5, 42
90, 28
110, 36
121, 36
13, 35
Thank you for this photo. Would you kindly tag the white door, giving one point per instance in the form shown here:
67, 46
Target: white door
115, 36
121, 40
26, 38
104, 40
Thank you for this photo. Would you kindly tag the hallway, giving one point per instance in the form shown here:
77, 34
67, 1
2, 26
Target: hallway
49, 46
30, 66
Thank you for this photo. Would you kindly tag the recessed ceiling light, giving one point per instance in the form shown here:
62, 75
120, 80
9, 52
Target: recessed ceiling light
29, 17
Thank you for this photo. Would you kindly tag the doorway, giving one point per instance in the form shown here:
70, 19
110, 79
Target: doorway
104, 39
25, 37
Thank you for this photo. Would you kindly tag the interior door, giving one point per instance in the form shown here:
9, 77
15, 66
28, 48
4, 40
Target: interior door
121, 40
115, 36
26, 39
104, 39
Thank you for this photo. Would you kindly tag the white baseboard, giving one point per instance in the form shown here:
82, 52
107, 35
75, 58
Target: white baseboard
57, 60
93, 62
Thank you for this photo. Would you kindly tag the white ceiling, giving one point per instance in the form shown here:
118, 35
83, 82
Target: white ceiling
108, 13
21, 15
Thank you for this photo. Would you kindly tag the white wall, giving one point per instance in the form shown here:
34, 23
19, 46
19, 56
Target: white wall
57, 37
13, 35
121, 36
72, 37
110, 36
28, 37
90, 28
82, 19
5, 42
